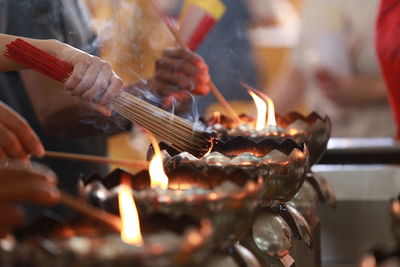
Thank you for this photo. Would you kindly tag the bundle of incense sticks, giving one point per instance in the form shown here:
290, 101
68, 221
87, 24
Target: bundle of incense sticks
180, 133
32, 57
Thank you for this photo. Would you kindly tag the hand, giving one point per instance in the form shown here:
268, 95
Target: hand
180, 69
92, 79
17, 139
19, 185
350, 91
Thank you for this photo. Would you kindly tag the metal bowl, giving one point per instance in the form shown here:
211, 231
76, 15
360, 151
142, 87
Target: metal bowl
228, 197
282, 164
314, 130
167, 242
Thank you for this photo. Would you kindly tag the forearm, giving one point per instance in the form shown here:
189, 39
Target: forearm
368, 91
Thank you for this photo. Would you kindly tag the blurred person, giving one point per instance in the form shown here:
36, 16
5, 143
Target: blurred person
334, 69
52, 112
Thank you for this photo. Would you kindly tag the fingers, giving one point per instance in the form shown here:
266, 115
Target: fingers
93, 80
27, 186
17, 139
77, 75
10, 144
102, 109
115, 88
180, 53
178, 80
177, 65
182, 69
11, 216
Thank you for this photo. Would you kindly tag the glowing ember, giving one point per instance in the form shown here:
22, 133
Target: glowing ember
130, 232
261, 111
156, 168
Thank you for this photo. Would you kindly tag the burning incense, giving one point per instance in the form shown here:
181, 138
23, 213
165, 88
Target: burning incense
90, 211
176, 131
97, 159
174, 31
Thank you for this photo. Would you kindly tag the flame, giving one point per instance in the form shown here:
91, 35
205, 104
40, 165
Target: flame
130, 232
156, 168
271, 121
261, 111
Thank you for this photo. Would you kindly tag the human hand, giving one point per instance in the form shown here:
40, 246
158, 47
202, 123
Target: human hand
350, 91
92, 79
179, 69
19, 185
17, 139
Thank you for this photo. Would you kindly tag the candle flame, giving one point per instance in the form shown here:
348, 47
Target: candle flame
156, 168
261, 111
271, 121
130, 233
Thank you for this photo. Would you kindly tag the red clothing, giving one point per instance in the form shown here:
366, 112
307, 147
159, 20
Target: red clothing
388, 50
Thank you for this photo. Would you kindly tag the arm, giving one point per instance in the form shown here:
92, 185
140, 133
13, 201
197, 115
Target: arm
92, 79
351, 91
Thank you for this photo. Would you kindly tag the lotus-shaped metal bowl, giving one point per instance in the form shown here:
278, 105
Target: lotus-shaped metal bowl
228, 197
281, 164
312, 129
167, 242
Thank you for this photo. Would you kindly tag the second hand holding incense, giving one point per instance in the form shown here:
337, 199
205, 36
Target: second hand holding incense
174, 31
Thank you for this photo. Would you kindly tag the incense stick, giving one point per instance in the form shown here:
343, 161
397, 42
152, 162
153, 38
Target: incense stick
174, 31
97, 159
90, 211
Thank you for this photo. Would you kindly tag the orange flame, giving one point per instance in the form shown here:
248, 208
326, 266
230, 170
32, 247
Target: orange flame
271, 121
130, 232
156, 168
261, 111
